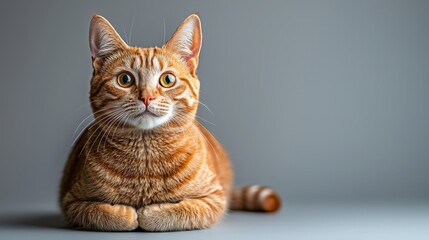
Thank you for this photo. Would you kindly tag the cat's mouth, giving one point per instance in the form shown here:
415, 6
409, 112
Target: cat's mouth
146, 113
148, 119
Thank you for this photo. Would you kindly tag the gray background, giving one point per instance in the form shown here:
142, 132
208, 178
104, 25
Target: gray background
323, 100
326, 101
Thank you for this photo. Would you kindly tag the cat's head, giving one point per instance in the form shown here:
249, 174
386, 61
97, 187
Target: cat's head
147, 88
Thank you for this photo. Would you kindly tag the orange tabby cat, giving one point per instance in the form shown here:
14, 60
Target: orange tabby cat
145, 161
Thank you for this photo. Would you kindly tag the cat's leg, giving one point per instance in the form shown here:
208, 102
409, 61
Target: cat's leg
99, 216
195, 213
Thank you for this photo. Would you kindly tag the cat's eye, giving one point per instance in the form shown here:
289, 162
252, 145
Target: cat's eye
125, 80
167, 80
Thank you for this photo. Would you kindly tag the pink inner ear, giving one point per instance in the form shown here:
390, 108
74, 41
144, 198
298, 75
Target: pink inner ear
95, 43
103, 38
196, 43
186, 45
195, 49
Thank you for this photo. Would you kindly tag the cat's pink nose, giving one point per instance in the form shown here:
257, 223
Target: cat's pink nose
146, 98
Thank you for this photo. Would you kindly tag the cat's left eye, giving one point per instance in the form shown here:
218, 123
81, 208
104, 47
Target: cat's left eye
167, 80
125, 80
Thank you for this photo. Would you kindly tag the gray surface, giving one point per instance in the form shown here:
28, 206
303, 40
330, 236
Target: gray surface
297, 222
323, 100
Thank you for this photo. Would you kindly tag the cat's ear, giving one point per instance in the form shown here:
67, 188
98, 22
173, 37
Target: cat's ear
186, 41
103, 40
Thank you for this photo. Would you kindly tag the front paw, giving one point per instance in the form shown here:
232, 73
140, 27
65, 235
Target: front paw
122, 218
154, 218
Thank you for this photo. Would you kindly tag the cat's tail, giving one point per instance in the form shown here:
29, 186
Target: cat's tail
254, 198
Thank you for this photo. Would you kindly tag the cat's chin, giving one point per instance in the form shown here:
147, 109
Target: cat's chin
148, 120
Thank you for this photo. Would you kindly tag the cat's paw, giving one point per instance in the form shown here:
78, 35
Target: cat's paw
123, 218
155, 218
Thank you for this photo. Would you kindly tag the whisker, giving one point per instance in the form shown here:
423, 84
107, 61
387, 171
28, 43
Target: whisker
91, 114
82, 105
117, 124
112, 112
125, 35
131, 29
111, 124
80, 133
99, 122
178, 124
206, 107
198, 130
207, 121
163, 22
183, 119
123, 123
101, 130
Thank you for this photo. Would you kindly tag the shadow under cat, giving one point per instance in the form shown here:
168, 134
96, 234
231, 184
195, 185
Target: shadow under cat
39, 220
53, 220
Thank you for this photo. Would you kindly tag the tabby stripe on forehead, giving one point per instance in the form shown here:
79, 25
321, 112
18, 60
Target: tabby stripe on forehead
161, 63
138, 62
148, 56
151, 59
157, 50
157, 56
141, 58
133, 61
156, 62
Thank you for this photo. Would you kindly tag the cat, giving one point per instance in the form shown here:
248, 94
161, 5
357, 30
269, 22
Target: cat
145, 161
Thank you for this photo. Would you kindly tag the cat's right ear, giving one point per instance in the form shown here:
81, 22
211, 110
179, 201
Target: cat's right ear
103, 40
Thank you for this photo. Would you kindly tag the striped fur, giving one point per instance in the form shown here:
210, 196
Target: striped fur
149, 164
254, 198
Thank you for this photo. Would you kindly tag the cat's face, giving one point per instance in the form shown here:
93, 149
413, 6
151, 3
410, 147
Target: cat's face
148, 88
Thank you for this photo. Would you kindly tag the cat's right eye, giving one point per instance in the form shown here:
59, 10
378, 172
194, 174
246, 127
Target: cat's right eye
125, 80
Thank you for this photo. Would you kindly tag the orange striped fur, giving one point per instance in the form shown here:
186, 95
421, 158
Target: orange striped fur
145, 161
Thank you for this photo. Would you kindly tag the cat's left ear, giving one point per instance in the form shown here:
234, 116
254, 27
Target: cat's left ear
186, 41
103, 40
